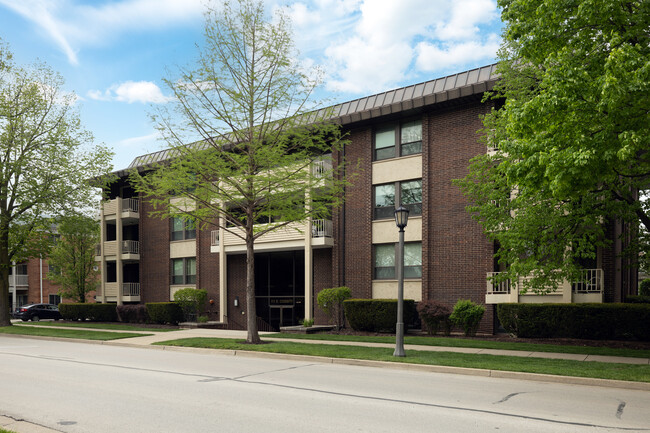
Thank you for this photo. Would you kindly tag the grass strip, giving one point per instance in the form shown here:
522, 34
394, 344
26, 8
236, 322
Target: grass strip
6, 431
109, 326
475, 343
67, 333
599, 370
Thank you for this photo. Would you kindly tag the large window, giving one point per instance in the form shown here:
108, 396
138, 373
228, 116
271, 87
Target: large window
385, 261
398, 140
184, 271
183, 229
406, 193
54, 299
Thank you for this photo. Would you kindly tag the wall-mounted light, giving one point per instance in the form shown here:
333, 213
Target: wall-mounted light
236, 303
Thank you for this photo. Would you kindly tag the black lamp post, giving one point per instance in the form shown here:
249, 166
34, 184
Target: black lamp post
401, 219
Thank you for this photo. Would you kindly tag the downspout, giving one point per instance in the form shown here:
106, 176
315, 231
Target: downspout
40, 261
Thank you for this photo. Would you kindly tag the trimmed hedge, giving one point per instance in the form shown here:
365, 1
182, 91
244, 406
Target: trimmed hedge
644, 287
376, 315
133, 313
434, 314
637, 299
91, 312
585, 321
164, 312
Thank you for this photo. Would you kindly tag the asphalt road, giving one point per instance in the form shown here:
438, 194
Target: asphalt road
77, 387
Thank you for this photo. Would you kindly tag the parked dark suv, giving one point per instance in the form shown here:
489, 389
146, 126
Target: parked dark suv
37, 312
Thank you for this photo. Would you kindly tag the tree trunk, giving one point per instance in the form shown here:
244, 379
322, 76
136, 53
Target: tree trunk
253, 336
5, 308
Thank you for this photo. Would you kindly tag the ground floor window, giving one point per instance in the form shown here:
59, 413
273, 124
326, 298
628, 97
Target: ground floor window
54, 299
184, 271
385, 264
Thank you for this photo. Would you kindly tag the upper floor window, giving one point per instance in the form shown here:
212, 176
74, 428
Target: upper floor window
407, 193
184, 271
398, 140
183, 229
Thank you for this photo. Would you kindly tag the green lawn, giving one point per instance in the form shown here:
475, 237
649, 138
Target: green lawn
474, 343
109, 326
68, 333
6, 431
637, 373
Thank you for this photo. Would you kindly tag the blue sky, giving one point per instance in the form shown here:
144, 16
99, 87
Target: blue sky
114, 54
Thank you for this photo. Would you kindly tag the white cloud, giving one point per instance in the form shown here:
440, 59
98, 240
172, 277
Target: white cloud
130, 92
71, 25
436, 57
140, 141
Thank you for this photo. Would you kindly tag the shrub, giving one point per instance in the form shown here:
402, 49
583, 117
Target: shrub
644, 287
91, 312
433, 314
586, 321
467, 315
134, 313
308, 323
376, 315
164, 312
203, 319
191, 301
637, 299
331, 301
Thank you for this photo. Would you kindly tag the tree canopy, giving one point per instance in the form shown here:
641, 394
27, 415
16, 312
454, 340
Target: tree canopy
73, 257
259, 157
46, 159
570, 134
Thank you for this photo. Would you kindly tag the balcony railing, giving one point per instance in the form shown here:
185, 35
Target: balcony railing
321, 229
20, 280
130, 205
130, 289
130, 247
98, 250
591, 281
494, 288
214, 238
321, 167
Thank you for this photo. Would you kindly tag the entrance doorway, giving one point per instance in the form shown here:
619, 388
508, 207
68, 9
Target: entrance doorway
280, 287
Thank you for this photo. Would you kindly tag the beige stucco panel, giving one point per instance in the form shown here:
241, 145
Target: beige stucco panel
392, 170
179, 249
388, 290
176, 288
386, 231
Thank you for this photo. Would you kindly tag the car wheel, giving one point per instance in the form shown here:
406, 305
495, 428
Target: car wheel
35, 319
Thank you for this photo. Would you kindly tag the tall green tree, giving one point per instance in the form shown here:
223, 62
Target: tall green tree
246, 107
73, 257
571, 134
46, 158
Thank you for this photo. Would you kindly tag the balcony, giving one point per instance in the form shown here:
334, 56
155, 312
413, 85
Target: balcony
321, 167
18, 280
588, 288
214, 238
130, 208
130, 250
130, 292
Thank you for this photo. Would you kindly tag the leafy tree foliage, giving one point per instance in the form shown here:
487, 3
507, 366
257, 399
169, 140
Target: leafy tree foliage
73, 257
247, 103
46, 158
570, 138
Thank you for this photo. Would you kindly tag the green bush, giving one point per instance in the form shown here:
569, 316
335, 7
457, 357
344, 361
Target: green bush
331, 301
644, 287
308, 323
376, 315
132, 313
192, 301
637, 299
467, 315
164, 312
434, 314
91, 312
583, 321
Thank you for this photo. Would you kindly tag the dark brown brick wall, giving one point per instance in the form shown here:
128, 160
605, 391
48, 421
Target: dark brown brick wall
207, 270
458, 254
236, 287
154, 256
322, 279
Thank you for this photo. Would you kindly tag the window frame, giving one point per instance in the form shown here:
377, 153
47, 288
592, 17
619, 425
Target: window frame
185, 277
415, 209
399, 147
416, 268
187, 232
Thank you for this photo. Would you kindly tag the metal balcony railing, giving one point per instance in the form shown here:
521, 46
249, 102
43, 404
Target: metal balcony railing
321, 167
130, 289
214, 238
494, 288
591, 281
20, 280
130, 247
321, 229
130, 205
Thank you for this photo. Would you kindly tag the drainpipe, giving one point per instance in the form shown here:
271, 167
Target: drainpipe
40, 262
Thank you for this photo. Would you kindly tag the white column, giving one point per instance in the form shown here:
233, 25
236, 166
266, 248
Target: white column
118, 254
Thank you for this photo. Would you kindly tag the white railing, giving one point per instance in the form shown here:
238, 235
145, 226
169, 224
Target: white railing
591, 281
130, 289
214, 238
321, 229
130, 205
494, 288
130, 247
98, 250
20, 280
321, 167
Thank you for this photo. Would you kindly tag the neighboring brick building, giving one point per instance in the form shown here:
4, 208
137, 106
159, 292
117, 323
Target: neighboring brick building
28, 284
410, 143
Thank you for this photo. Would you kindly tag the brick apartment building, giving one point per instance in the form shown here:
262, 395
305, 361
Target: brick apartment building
411, 142
28, 284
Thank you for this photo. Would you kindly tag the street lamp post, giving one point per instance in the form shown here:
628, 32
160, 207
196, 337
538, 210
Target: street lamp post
401, 219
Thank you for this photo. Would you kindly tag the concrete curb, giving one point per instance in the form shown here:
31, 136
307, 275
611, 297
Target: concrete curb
607, 383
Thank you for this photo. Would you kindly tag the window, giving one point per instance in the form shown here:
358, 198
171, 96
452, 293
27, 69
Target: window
184, 271
410, 196
385, 261
54, 299
398, 140
183, 228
